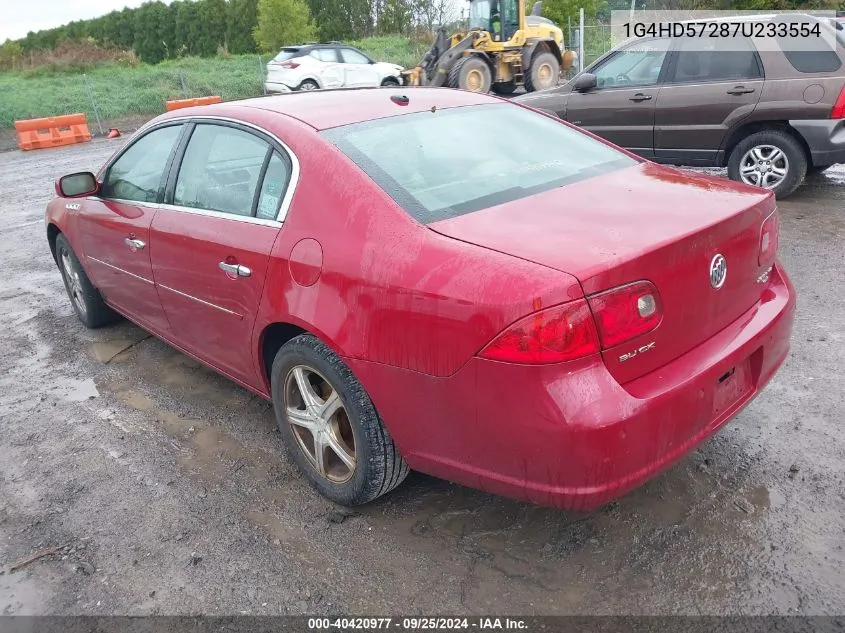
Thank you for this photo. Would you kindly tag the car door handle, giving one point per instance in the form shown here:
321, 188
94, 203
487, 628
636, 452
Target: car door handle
740, 90
235, 269
640, 97
133, 244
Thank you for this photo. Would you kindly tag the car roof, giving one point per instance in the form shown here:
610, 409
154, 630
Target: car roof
324, 109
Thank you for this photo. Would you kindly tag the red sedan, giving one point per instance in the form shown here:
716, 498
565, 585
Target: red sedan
437, 280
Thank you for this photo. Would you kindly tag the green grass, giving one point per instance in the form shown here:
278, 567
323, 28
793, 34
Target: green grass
142, 90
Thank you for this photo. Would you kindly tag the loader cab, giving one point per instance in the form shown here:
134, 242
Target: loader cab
501, 18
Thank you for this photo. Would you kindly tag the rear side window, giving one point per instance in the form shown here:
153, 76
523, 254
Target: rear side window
718, 59
813, 54
442, 164
324, 54
220, 170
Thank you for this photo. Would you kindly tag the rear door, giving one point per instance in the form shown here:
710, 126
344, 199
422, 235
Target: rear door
711, 85
621, 107
329, 68
358, 70
115, 227
213, 237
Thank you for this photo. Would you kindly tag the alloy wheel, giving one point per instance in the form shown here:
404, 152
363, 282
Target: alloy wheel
320, 424
74, 284
764, 166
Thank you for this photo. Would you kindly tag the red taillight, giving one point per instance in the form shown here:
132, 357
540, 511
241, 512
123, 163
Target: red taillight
289, 65
769, 238
838, 111
554, 335
626, 312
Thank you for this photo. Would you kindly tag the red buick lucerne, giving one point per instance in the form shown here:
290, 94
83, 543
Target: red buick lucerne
437, 280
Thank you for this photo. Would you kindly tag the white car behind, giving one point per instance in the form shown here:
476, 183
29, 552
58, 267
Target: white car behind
325, 66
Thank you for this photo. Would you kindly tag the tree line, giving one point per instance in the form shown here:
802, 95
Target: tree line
156, 31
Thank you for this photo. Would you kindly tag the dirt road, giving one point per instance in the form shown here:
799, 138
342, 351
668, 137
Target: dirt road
167, 488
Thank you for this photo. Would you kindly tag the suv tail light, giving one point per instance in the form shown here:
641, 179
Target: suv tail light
289, 65
557, 334
626, 312
769, 238
838, 111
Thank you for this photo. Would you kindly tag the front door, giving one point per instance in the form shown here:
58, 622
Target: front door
358, 70
621, 106
213, 241
115, 230
711, 85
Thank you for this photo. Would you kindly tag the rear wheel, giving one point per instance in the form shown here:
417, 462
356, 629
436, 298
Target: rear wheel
772, 159
471, 73
307, 85
330, 426
544, 72
84, 297
504, 87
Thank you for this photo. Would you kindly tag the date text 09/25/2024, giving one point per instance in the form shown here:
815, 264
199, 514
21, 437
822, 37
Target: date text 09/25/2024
417, 624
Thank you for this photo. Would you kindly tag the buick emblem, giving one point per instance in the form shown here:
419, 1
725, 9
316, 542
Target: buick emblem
718, 271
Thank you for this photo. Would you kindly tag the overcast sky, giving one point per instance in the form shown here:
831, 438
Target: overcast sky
18, 17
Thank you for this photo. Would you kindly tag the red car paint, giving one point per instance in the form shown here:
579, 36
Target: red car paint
410, 307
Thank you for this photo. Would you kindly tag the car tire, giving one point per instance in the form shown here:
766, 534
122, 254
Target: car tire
86, 300
504, 87
307, 85
471, 73
785, 153
544, 72
354, 426
390, 82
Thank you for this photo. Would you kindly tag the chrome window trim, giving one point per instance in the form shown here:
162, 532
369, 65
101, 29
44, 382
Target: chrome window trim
248, 219
198, 300
120, 270
293, 182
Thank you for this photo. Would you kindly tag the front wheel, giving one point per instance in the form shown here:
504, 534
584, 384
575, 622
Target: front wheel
471, 73
772, 159
390, 82
330, 426
84, 297
544, 72
308, 85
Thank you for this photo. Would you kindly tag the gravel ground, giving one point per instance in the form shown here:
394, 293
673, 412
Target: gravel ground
166, 490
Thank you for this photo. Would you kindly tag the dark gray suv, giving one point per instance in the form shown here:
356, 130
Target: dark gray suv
769, 112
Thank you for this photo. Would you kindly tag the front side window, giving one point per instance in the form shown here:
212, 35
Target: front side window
520, 153
353, 57
137, 174
715, 59
220, 170
637, 65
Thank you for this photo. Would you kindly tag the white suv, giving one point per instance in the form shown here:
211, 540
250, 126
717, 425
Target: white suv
314, 66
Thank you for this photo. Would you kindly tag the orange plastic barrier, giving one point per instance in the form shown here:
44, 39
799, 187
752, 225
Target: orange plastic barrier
52, 131
187, 103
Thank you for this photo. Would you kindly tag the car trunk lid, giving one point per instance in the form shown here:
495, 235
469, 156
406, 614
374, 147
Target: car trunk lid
646, 222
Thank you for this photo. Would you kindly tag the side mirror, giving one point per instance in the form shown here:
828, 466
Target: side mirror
585, 82
77, 185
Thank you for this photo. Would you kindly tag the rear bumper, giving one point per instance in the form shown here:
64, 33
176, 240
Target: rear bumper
825, 138
274, 86
569, 435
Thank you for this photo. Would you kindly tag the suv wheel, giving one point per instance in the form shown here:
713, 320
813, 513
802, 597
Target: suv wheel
771, 159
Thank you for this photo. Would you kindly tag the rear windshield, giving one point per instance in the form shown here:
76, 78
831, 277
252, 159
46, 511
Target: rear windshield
286, 53
442, 164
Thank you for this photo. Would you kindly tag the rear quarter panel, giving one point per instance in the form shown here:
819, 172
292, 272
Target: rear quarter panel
390, 290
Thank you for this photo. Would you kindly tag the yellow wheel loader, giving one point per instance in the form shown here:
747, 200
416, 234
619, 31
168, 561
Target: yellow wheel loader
503, 49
